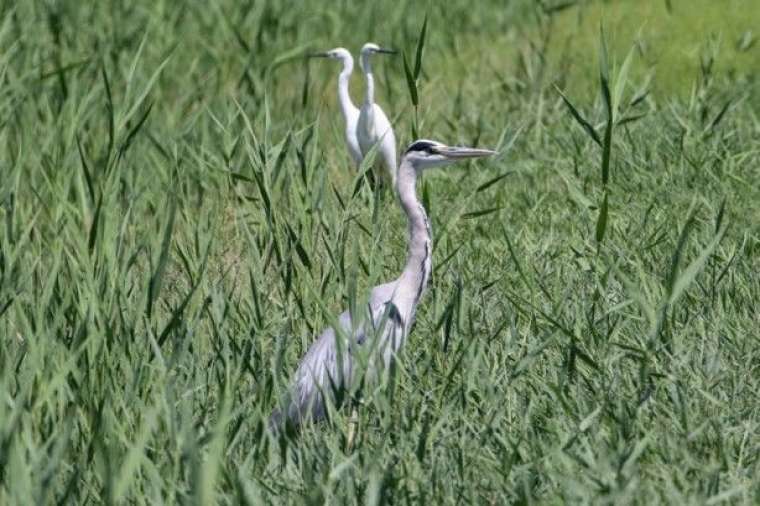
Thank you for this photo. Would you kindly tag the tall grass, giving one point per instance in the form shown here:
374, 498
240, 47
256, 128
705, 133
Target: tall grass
179, 220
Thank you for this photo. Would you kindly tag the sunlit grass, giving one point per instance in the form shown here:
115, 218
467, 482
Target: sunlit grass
673, 37
178, 221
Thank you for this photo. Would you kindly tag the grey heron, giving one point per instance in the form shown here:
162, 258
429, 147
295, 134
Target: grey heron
348, 109
384, 324
373, 126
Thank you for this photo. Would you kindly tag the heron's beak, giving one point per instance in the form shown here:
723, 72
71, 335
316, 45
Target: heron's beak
461, 153
318, 55
385, 50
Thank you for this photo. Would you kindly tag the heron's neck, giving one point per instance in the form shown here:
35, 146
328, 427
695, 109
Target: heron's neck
369, 97
416, 274
344, 98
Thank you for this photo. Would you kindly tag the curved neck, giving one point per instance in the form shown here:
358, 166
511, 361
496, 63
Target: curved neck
344, 98
369, 97
416, 273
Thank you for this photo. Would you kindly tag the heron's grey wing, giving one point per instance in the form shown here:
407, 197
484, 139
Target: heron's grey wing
324, 367
382, 294
388, 325
321, 370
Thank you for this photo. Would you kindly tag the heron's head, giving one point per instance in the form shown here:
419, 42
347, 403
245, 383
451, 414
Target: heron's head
338, 53
425, 154
371, 48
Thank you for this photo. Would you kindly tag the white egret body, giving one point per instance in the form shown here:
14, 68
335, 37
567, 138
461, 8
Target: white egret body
347, 108
374, 127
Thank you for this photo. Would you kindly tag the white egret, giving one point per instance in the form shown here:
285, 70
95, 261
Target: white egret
373, 126
380, 328
348, 109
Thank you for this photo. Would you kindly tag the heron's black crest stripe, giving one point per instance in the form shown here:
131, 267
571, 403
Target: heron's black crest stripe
424, 146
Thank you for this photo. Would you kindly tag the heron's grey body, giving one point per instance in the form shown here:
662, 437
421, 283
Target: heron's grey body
321, 369
383, 326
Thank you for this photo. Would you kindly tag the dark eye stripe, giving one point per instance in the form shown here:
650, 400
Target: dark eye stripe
424, 146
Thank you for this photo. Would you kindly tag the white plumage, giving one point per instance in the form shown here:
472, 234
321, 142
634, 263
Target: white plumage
347, 108
373, 126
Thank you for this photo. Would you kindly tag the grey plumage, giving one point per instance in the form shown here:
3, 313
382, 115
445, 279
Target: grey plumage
322, 368
381, 327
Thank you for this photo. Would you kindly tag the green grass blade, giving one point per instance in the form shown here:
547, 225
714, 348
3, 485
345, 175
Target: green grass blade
410, 83
420, 47
604, 78
579, 118
601, 222
156, 279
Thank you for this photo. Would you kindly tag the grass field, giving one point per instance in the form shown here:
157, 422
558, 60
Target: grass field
179, 220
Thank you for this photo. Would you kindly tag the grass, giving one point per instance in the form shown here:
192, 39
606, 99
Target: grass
179, 222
